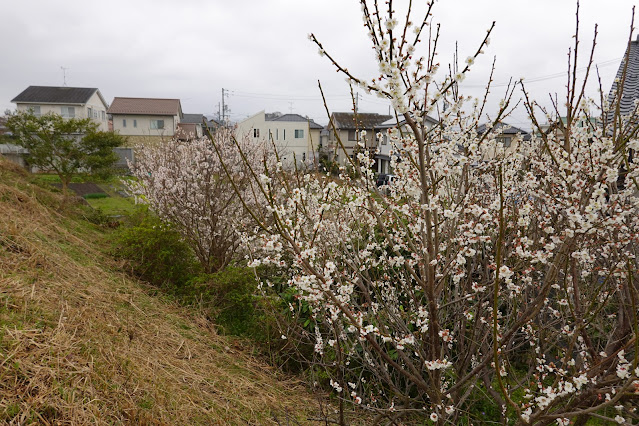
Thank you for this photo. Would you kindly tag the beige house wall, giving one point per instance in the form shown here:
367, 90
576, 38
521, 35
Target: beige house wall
140, 125
282, 134
334, 147
505, 145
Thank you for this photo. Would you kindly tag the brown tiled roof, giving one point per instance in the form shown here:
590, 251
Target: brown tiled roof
145, 106
347, 120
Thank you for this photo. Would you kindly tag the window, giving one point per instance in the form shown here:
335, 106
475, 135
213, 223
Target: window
385, 140
36, 110
89, 112
124, 123
103, 115
157, 124
95, 114
299, 134
352, 135
284, 130
68, 112
277, 134
256, 133
135, 123
504, 141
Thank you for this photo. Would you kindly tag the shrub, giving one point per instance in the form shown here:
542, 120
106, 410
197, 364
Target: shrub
229, 299
155, 251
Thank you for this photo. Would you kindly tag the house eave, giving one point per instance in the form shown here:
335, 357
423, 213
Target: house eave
50, 103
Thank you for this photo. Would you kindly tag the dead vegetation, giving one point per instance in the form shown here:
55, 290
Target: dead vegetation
81, 343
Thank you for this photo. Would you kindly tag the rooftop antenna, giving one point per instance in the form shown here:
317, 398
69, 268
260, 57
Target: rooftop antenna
290, 107
64, 75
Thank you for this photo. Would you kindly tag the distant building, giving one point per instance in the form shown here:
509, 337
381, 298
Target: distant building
347, 127
509, 137
383, 145
629, 103
211, 126
191, 126
69, 102
293, 135
3, 126
145, 120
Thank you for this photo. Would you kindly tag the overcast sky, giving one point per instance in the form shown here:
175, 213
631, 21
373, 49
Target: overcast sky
259, 50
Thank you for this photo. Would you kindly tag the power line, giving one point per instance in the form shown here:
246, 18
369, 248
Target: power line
283, 97
547, 76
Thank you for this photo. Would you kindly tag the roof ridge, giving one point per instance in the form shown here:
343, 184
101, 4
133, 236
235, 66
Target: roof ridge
158, 99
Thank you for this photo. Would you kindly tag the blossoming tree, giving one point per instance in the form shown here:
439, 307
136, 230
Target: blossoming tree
505, 280
185, 183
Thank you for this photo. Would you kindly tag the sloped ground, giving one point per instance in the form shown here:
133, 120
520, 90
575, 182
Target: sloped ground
81, 343
82, 189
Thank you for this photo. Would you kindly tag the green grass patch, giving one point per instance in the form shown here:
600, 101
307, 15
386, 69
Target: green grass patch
96, 196
113, 205
79, 178
53, 178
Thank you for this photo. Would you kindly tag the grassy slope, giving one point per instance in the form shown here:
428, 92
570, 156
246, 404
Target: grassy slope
82, 343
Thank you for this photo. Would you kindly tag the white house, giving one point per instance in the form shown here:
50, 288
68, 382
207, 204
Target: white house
145, 119
69, 102
293, 135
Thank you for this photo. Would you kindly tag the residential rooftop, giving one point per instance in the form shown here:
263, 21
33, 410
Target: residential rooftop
292, 117
56, 95
193, 118
145, 106
361, 120
631, 82
505, 129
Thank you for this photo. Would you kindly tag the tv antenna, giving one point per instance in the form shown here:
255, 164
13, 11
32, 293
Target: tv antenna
290, 107
64, 75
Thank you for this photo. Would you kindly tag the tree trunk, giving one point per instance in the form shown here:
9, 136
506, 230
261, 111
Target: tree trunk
65, 188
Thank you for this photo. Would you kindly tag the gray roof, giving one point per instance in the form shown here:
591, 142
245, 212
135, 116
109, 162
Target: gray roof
55, 95
364, 120
631, 83
212, 123
393, 122
505, 129
192, 118
293, 117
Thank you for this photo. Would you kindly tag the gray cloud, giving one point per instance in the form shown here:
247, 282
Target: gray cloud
259, 49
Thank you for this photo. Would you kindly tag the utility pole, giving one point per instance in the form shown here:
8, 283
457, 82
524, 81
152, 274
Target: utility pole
225, 108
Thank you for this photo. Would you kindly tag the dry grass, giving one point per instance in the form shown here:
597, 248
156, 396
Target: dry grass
80, 343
